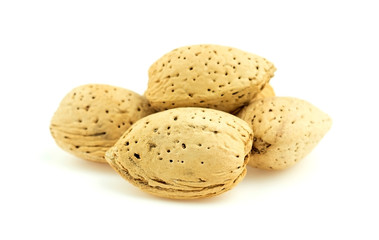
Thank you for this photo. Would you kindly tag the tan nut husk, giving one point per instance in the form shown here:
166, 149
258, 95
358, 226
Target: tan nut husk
184, 153
285, 130
268, 91
211, 76
91, 118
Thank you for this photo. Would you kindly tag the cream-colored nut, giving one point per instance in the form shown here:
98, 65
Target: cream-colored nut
184, 153
211, 76
91, 118
285, 130
267, 91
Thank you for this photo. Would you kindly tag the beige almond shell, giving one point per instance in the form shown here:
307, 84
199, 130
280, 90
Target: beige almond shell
91, 118
267, 91
184, 153
210, 76
285, 130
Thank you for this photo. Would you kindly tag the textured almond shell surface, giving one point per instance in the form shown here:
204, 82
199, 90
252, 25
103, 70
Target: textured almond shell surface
268, 91
91, 118
184, 153
211, 76
285, 130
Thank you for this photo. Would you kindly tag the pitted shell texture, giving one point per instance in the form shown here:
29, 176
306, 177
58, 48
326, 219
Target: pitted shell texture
91, 118
184, 153
211, 76
285, 130
268, 91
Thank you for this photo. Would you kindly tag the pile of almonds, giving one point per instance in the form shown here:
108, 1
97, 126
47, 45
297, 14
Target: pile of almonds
208, 111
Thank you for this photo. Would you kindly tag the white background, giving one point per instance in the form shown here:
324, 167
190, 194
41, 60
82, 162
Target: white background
325, 51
